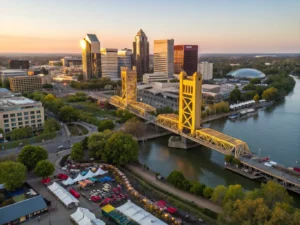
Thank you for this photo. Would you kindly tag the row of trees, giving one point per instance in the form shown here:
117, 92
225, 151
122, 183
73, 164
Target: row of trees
78, 97
98, 84
216, 108
31, 158
267, 205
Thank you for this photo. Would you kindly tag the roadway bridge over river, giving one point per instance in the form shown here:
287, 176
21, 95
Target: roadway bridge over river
187, 124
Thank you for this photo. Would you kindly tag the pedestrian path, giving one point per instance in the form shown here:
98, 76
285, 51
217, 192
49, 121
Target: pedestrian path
199, 201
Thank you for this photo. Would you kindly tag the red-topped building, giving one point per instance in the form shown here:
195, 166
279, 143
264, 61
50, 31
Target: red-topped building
185, 59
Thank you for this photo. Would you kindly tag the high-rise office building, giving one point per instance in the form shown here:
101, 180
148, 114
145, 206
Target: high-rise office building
124, 59
91, 57
19, 64
206, 69
164, 57
141, 54
185, 59
109, 63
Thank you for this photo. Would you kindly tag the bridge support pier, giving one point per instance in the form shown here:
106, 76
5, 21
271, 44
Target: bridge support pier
181, 142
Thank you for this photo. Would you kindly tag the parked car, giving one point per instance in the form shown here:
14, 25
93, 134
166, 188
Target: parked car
74, 193
62, 176
95, 198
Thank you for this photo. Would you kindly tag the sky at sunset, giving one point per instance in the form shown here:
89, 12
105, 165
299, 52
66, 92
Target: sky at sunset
217, 26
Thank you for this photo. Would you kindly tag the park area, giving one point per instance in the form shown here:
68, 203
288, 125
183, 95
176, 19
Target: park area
77, 129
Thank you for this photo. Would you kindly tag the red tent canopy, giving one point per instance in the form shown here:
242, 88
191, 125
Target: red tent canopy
161, 204
171, 210
62, 176
46, 180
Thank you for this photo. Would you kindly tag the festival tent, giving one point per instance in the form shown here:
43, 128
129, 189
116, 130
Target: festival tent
83, 216
100, 172
63, 195
89, 175
69, 181
78, 178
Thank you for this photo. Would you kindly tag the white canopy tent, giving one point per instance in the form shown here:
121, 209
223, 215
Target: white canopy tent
100, 172
69, 181
139, 215
89, 175
83, 216
78, 178
66, 198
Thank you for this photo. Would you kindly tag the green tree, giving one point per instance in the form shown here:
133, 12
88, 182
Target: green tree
56, 105
197, 188
31, 155
270, 94
68, 114
84, 143
44, 169
233, 193
97, 143
77, 153
51, 125
256, 98
121, 149
47, 86
106, 125
135, 127
236, 161
255, 81
245, 212
176, 178
49, 98
207, 192
280, 216
235, 95
12, 175
21, 133
219, 194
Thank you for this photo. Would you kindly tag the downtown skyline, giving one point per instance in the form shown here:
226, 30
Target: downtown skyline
216, 26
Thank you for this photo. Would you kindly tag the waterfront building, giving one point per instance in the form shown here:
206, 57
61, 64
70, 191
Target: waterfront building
19, 64
185, 59
124, 59
206, 69
18, 112
4, 74
91, 57
25, 83
164, 57
71, 61
155, 77
109, 61
141, 54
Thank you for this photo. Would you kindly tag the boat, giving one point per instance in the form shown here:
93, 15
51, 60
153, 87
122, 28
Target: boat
234, 116
247, 113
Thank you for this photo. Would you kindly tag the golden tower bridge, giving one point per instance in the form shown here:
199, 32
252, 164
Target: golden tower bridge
187, 124
188, 121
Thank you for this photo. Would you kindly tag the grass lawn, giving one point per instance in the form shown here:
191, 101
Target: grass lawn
95, 109
19, 198
77, 129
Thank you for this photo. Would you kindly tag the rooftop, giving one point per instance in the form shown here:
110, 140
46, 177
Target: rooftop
141, 33
92, 37
12, 100
17, 210
12, 71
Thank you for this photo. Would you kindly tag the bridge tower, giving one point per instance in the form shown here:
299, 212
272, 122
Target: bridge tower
129, 85
190, 100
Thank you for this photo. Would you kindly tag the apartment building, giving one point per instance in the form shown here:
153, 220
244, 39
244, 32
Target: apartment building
25, 83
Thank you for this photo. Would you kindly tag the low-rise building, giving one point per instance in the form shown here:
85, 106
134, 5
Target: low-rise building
206, 69
71, 61
155, 77
18, 112
4, 74
25, 83
65, 78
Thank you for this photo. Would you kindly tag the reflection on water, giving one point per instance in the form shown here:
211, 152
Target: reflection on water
275, 130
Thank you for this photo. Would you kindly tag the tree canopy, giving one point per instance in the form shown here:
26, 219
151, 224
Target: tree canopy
77, 153
68, 114
97, 143
31, 155
235, 95
20, 133
176, 178
270, 94
12, 175
135, 127
106, 125
120, 149
44, 169
51, 125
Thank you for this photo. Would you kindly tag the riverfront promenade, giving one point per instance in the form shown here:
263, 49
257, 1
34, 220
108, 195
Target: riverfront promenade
199, 201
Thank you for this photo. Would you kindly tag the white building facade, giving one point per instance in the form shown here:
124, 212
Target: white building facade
164, 57
109, 61
206, 69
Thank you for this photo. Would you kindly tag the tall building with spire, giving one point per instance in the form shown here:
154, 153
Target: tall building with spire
91, 57
141, 54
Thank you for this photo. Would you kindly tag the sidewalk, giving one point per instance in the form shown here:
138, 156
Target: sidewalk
199, 201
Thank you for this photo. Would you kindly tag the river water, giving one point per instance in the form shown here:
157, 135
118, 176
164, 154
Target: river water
275, 130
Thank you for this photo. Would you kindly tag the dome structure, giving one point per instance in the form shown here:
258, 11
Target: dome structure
246, 73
